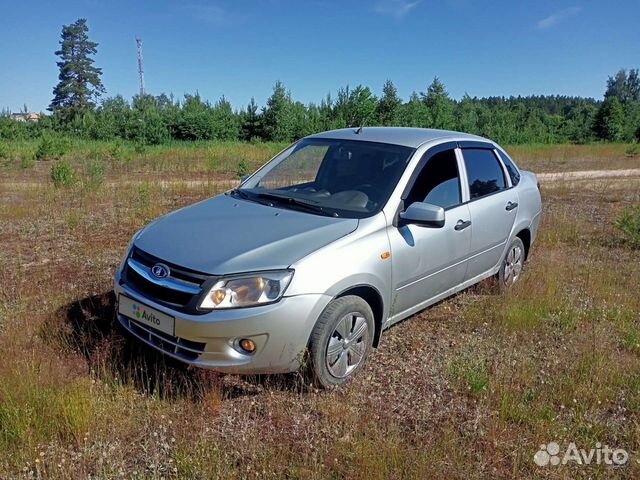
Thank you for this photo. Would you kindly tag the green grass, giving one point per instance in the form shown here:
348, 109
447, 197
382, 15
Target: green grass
63, 174
470, 372
234, 159
220, 158
35, 409
629, 223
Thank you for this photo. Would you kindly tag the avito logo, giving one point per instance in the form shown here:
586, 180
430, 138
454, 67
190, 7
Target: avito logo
150, 317
142, 314
551, 454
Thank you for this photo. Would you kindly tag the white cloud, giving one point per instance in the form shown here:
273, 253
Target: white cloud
207, 13
557, 17
395, 8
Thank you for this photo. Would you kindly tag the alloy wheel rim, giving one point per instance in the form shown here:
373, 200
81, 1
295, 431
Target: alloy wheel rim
347, 345
513, 265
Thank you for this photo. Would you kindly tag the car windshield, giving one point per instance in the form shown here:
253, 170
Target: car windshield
345, 178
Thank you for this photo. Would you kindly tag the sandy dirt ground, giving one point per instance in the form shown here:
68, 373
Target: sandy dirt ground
588, 174
230, 183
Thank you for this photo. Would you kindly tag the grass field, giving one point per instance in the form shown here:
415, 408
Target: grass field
209, 160
467, 389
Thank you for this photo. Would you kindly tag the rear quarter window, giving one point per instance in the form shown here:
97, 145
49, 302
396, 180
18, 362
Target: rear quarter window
514, 173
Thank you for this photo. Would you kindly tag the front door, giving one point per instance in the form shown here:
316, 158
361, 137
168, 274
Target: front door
427, 261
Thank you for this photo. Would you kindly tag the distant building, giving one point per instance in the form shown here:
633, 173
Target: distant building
26, 117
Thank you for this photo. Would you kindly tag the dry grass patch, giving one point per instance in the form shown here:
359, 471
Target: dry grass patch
469, 388
564, 158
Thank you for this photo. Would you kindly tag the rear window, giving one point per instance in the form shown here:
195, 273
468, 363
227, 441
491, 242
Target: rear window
484, 172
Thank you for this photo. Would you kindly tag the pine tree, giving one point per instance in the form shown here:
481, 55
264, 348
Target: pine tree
196, 121
301, 125
440, 105
79, 83
415, 113
361, 107
609, 123
251, 122
578, 123
113, 118
278, 115
388, 108
225, 121
467, 117
341, 117
327, 114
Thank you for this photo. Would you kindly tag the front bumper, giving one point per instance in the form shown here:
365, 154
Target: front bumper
280, 330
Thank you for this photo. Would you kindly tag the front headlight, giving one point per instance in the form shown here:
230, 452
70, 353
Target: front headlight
247, 290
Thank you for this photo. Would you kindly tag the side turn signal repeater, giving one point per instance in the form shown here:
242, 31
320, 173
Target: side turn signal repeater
385, 255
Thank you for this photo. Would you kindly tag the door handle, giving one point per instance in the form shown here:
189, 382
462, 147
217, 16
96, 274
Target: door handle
461, 225
510, 206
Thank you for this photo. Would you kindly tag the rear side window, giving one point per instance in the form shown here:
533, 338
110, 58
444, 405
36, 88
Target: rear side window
514, 174
484, 172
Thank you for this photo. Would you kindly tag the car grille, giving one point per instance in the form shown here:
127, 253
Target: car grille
185, 349
180, 291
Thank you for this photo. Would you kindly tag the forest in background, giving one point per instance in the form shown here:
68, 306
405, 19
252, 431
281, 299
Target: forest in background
79, 110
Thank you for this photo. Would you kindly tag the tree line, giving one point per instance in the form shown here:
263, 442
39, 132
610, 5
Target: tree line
78, 109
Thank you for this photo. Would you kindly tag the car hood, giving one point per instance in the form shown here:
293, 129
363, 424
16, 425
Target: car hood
225, 235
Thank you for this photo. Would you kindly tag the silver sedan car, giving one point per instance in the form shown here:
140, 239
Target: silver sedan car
312, 257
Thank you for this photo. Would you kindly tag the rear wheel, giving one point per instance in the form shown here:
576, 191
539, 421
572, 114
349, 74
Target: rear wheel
512, 264
341, 340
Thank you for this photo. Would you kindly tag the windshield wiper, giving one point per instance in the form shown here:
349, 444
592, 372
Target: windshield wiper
240, 193
247, 196
285, 199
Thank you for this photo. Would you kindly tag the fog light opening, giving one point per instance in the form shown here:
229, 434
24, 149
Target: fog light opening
247, 345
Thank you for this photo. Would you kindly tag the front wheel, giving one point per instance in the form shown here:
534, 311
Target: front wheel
512, 264
341, 340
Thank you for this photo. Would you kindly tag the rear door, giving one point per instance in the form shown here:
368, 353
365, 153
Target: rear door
493, 205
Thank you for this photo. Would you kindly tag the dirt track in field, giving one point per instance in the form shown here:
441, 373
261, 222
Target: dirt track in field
230, 183
588, 175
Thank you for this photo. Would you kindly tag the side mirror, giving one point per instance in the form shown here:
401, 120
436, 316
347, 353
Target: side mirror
423, 214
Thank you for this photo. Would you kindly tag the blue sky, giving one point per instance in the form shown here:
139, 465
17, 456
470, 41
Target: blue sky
240, 48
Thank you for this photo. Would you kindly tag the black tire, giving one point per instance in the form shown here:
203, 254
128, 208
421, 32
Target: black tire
507, 276
326, 331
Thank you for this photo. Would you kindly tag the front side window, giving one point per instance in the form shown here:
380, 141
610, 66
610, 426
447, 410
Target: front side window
438, 182
346, 178
484, 172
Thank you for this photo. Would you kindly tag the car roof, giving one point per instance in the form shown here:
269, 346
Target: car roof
409, 137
